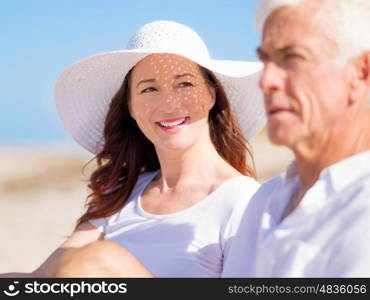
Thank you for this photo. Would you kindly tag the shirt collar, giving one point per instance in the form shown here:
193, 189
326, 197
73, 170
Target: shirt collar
340, 174
347, 171
291, 172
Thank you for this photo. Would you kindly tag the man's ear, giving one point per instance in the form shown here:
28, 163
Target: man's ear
361, 78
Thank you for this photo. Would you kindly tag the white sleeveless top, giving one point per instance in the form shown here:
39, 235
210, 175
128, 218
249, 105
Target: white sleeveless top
190, 243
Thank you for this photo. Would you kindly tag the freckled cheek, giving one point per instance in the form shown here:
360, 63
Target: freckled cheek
198, 102
143, 109
203, 100
147, 109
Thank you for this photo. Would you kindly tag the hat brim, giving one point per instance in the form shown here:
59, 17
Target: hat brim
84, 90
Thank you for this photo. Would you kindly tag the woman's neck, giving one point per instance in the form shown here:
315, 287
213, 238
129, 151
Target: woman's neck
198, 163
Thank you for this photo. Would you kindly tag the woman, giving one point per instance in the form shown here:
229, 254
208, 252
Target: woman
172, 174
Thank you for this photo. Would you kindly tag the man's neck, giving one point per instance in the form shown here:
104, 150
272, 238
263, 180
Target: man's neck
350, 137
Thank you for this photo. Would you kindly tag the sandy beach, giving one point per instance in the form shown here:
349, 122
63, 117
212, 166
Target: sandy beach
43, 191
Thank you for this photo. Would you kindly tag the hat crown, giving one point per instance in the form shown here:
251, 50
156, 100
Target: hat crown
168, 36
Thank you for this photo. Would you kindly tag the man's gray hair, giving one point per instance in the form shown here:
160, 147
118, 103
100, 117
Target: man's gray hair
349, 21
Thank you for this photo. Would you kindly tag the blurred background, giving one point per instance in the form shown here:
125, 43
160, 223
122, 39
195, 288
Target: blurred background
42, 182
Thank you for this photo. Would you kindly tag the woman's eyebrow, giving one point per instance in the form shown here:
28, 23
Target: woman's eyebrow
145, 80
183, 75
153, 80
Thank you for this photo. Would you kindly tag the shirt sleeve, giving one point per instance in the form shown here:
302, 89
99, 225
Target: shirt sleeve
240, 251
99, 223
244, 192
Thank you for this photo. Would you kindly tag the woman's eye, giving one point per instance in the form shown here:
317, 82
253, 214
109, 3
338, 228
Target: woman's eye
185, 84
148, 90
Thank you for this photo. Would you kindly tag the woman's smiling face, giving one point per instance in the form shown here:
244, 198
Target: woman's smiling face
170, 100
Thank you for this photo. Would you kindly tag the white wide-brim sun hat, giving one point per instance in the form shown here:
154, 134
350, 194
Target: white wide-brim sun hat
83, 92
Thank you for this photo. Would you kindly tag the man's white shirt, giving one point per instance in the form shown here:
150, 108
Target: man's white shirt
327, 235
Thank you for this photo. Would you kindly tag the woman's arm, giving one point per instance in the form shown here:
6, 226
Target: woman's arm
100, 259
83, 235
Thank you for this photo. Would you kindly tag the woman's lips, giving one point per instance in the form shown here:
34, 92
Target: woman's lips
173, 125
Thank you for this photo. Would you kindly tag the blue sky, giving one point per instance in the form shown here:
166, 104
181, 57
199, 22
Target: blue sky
40, 38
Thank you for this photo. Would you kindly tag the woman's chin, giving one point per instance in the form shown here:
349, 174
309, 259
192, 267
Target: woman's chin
174, 145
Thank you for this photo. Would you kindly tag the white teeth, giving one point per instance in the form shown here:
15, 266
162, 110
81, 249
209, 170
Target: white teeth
172, 124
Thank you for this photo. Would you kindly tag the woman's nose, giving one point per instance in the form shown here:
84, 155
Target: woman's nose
170, 102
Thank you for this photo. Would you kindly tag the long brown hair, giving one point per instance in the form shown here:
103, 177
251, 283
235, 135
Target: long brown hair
127, 152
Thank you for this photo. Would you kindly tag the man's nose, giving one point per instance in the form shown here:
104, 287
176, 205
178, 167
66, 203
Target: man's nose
272, 78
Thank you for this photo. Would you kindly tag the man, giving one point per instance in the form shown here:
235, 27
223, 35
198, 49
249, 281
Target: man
313, 220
